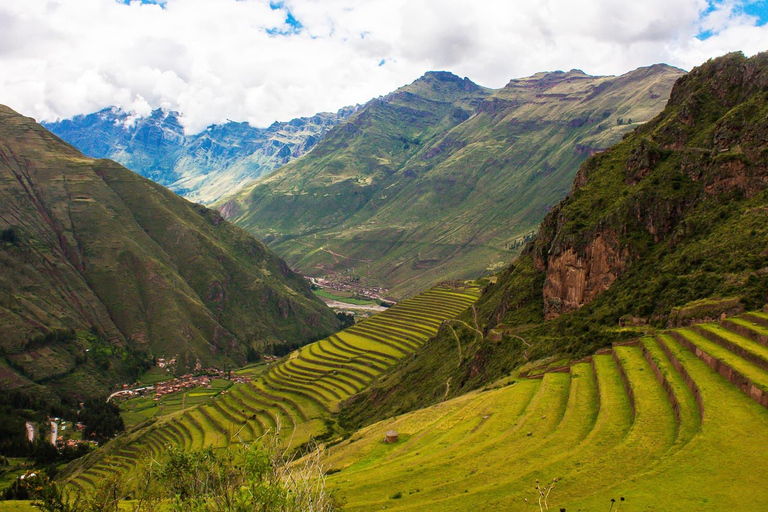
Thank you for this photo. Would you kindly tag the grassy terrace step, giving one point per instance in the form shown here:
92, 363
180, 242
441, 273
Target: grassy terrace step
395, 345
425, 316
228, 421
743, 374
216, 434
318, 400
316, 370
335, 350
389, 336
442, 305
229, 412
329, 391
713, 470
403, 327
757, 317
386, 334
289, 407
750, 326
683, 396
196, 428
305, 408
745, 348
483, 459
363, 370
184, 428
422, 320
362, 343
385, 328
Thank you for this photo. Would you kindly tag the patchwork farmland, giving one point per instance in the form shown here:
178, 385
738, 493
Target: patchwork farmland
674, 421
295, 395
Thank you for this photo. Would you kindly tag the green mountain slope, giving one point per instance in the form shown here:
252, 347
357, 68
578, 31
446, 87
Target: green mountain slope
442, 178
668, 226
101, 265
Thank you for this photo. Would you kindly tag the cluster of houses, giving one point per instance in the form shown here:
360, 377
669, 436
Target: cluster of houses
188, 381
342, 283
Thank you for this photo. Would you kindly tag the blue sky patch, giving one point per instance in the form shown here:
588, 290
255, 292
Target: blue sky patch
161, 3
294, 25
756, 8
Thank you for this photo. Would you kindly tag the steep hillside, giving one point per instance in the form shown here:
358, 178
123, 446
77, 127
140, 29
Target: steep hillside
442, 178
201, 167
668, 226
295, 398
102, 268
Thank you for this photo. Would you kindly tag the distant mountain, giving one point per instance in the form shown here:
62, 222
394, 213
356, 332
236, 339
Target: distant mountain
442, 178
666, 228
103, 268
201, 167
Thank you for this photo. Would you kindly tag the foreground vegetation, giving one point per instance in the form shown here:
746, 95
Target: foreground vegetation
259, 476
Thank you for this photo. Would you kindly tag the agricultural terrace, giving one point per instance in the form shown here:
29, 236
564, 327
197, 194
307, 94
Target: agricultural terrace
294, 396
671, 422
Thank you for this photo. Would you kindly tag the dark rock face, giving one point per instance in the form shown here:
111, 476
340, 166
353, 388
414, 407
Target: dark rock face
201, 167
708, 144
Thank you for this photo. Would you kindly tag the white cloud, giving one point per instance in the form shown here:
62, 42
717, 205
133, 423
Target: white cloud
227, 59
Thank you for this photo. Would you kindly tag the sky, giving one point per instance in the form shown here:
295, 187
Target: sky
265, 60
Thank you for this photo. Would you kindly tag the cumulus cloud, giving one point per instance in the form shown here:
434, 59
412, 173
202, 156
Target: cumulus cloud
261, 60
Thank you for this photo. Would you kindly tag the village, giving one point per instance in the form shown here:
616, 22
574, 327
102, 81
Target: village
184, 382
343, 283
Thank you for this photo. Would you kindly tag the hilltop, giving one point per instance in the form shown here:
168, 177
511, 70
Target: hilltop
666, 228
104, 269
442, 178
201, 167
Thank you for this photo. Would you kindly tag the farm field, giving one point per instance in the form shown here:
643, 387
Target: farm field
666, 423
295, 396
136, 410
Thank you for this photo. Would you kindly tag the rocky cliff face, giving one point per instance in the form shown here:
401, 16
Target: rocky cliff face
201, 167
707, 146
575, 277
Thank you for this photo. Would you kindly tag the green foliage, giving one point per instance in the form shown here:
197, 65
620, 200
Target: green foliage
257, 477
101, 418
10, 236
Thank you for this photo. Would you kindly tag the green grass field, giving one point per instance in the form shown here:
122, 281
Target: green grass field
650, 422
343, 297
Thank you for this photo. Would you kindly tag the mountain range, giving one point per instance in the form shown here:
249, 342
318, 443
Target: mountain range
201, 167
104, 269
442, 178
